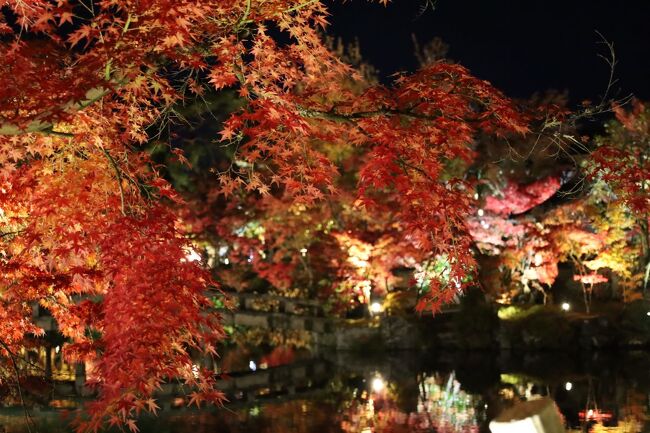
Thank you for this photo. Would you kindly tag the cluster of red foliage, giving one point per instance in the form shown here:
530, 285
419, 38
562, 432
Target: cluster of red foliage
407, 134
519, 198
90, 227
596, 232
346, 177
623, 160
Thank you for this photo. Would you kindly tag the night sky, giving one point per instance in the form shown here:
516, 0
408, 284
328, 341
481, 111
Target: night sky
521, 46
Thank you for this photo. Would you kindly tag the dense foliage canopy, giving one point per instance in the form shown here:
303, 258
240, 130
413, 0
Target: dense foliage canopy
326, 179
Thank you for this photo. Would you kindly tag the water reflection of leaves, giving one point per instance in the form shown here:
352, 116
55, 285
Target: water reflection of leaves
632, 416
442, 405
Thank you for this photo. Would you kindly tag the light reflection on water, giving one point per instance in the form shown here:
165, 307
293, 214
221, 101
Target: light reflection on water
415, 393
442, 406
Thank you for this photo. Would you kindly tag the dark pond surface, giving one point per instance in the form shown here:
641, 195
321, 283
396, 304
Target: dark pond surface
411, 392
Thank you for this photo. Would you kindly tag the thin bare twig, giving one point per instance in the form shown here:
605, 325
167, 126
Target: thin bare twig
118, 174
12, 357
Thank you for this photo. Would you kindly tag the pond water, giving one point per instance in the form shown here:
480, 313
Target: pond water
412, 392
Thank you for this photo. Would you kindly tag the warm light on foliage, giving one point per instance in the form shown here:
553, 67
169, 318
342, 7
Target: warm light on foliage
516, 198
90, 226
324, 183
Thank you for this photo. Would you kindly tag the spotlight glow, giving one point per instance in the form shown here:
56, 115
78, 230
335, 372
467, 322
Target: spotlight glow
566, 306
378, 384
192, 256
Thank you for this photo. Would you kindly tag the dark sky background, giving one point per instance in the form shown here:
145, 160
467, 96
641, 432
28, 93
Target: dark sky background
521, 46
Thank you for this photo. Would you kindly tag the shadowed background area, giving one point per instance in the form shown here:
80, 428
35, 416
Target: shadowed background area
520, 46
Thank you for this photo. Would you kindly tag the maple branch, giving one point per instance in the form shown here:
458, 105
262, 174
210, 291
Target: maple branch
611, 61
300, 6
244, 17
51, 131
243, 20
12, 357
39, 126
2, 235
118, 174
34, 127
405, 164
333, 115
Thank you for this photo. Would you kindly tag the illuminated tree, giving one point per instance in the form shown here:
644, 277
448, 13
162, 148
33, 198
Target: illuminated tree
622, 163
93, 232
